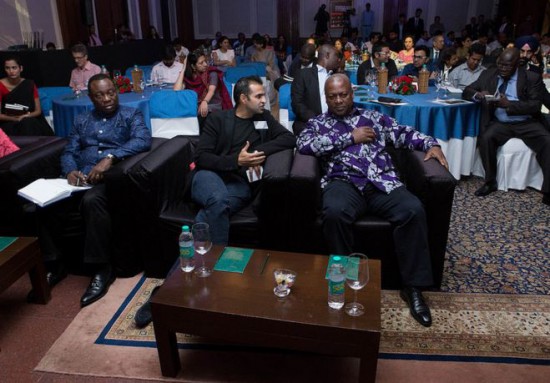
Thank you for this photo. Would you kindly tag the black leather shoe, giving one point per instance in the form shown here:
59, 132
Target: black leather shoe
418, 308
143, 316
99, 285
486, 189
53, 278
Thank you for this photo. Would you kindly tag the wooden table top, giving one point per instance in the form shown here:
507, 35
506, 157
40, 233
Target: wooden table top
251, 294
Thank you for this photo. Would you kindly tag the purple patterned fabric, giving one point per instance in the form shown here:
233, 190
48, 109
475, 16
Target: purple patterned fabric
329, 137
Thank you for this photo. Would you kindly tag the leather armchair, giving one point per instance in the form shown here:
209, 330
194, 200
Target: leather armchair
162, 190
38, 157
428, 180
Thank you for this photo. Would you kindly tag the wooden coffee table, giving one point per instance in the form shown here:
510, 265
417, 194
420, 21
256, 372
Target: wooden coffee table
20, 257
246, 304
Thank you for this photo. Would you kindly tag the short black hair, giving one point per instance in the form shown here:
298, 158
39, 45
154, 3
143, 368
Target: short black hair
79, 48
477, 48
423, 48
242, 86
169, 53
97, 77
377, 48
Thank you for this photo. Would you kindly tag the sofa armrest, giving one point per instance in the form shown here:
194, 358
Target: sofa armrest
305, 180
164, 174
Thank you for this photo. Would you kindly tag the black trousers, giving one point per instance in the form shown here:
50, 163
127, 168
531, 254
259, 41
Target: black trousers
53, 222
343, 204
533, 133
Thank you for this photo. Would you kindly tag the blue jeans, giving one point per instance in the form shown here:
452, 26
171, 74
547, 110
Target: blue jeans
220, 197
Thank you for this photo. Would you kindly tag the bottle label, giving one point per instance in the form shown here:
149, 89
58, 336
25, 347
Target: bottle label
336, 288
186, 252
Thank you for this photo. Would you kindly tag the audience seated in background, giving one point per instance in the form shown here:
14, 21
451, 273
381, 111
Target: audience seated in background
233, 144
516, 113
152, 33
93, 38
530, 58
266, 56
360, 177
406, 55
181, 51
305, 59
84, 70
308, 88
99, 138
16, 90
207, 82
447, 62
469, 71
421, 58
250, 50
380, 54
224, 56
168, 69
464, 45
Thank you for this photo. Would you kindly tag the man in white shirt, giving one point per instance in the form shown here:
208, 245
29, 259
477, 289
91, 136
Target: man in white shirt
181, 51
468, 72
168, 70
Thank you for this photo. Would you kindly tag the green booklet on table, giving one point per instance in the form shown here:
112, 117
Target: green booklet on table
233, 259
6, 241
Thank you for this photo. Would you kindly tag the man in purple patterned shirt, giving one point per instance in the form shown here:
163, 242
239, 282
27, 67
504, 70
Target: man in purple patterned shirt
360, 177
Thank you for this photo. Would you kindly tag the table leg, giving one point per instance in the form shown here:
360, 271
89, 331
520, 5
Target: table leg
37, 274
367, 369
167, 349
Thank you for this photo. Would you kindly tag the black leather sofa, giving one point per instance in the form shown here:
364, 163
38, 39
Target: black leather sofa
428, 180
162, 183
38, 157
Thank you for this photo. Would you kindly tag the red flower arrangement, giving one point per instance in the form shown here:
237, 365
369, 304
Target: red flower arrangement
403, 85
123, 84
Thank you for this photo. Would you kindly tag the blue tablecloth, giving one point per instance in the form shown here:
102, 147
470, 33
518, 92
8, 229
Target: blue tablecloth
455, 126
421, 112
66, 107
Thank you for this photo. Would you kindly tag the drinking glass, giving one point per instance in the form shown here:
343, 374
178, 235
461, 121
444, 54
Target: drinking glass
202, 244
437, 79
116, 73
284, 279
445, 84
357, 276
142, 87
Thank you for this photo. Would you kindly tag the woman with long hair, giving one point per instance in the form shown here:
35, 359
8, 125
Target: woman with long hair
20, 113
207, 82
463, 48
266, 56
406, 54
224, 56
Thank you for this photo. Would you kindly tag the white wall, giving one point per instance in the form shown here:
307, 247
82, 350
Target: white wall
19, 16
232, 17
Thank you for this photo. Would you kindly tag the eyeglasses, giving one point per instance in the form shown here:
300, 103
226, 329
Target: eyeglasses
419, 57
78, 57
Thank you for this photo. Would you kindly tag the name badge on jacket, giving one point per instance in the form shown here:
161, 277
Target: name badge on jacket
259, 125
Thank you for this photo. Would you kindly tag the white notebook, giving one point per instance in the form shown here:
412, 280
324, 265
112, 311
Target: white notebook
46, 191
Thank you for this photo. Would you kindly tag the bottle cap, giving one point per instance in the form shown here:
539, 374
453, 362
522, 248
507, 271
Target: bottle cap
185, 228
337, 258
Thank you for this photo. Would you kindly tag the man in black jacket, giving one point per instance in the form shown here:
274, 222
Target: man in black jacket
232, 148
308, 88
515, 113
380, 54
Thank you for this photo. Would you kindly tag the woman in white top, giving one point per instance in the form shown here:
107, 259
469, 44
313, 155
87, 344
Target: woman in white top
224, 56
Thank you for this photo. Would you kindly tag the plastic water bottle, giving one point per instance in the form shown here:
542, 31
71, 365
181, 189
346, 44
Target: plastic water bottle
187, 250
337, 284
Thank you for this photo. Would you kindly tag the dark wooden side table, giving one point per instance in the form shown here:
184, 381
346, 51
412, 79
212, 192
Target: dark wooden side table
20, 257
245, 303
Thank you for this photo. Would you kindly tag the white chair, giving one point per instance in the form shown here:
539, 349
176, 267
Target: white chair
286, 115
173, 113
517, 167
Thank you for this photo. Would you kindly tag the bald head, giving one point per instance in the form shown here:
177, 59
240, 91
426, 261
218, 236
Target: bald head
508, 62
328, 57
339, 95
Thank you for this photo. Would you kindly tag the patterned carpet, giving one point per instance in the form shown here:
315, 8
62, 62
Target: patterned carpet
468, 327
498, 268
499, 244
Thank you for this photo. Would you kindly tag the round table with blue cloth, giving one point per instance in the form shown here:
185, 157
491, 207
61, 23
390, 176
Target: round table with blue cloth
455, 126
66, 107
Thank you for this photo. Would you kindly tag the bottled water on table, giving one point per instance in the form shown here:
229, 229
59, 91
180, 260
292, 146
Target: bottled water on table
336, 284
187, 251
